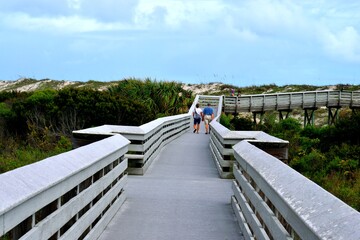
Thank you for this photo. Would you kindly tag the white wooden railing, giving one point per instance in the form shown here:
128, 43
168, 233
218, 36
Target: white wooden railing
69, 196
292, 100
222, 140
146, 140
216, 102
273, 201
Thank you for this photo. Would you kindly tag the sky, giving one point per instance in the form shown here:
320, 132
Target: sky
238, 42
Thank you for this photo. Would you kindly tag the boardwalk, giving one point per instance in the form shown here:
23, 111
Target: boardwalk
180, 197
79, 194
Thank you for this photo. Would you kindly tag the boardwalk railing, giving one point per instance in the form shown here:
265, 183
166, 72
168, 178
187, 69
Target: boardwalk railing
146, 140
292, 100
68, 196
216, 102
222, 140
272, 201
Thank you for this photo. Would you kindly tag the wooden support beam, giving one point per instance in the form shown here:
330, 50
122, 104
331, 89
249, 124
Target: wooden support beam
333, 115
281, 116
255, 114
309, 116
236, 105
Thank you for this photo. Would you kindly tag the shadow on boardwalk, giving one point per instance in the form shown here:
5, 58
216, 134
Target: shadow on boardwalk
180, 197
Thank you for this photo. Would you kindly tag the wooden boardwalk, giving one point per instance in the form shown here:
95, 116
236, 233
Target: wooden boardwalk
179, 197
292, 100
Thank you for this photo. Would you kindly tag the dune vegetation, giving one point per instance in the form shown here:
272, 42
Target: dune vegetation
38, 124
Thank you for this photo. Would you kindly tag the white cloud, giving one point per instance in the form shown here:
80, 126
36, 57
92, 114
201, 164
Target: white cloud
244, 33
35, 7
331, 24
344, 43
270, 14
109, 10
60, 24
178, 14
269, 18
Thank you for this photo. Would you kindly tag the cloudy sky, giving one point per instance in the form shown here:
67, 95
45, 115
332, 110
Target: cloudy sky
240, 42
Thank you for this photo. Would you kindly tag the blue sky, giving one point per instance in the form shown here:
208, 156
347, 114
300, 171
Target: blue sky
240, 42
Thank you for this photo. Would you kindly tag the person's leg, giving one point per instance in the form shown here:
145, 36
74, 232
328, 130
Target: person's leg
206, 121
196, 125
198, 128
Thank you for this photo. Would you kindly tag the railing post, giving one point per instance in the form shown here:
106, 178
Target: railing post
236, 105
223, 105
250, 103
263, 106
328, 98
339, 103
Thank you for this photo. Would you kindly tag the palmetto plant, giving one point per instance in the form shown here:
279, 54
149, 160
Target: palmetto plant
161, 98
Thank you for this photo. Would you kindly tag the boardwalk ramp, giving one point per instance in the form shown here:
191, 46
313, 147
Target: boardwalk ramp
180, 197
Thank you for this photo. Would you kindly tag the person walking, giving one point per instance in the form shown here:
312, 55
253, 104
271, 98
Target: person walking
208, 113
197, 114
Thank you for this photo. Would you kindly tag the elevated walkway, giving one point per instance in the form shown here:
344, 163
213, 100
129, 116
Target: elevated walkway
179, 197
285, 103
89, 192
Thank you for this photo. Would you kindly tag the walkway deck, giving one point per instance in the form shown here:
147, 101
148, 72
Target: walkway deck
180, 197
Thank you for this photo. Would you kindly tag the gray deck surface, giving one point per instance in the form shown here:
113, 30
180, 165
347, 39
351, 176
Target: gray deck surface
180, 197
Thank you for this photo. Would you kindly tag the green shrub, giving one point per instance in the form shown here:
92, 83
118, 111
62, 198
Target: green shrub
225, 120
14, 154
242, 123
306, 164
329, 155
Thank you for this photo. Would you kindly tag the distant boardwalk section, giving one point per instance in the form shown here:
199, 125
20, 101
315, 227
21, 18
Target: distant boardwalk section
286, 102
292, 100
